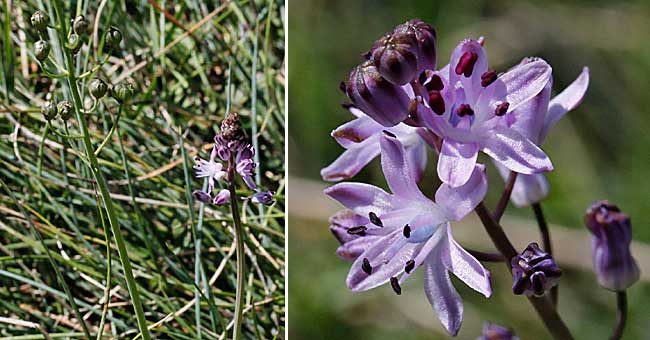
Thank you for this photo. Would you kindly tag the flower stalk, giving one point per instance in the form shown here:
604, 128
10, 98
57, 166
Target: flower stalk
505, 196
239, 248
621, 315
546, 242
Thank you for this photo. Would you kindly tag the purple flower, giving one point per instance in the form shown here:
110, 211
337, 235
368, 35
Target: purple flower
389, 235
610, 247
495, 332
222, 197
263, 197
214, 171
533, 119
201, 196
466, 104
533, 272
360, 137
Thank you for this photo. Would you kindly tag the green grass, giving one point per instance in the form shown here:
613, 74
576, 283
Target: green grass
180, 59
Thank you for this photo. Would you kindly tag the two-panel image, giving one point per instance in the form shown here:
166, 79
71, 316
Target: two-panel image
324, 169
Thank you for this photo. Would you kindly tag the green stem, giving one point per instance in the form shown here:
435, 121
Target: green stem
241, 261
101, 182
39, 163
621, 315
110, 133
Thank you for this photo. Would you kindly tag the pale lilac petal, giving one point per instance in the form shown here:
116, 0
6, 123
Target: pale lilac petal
471, 84
356, 131
351, 250
250, 182
528, 118
566, 101
522, 82
528, 189
417, 158
442, 295
352, 160
456, 162
396, 168
361, 198
343, 220
467, 268
515, 152
460, 201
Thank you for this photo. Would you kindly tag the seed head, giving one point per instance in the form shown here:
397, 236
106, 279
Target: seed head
41, 49
97, 88
40, 20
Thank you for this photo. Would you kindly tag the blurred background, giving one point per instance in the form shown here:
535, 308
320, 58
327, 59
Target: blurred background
600, 150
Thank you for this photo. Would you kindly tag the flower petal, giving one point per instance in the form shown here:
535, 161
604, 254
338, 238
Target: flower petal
343, 220
467, 268
528, 189
416, 156
460, 201
442, 295
361, 198
396, 168
471, 84
515, 152
351, 250
356, 131
456, 162
566, 101
351, 161
522, 82
529, 115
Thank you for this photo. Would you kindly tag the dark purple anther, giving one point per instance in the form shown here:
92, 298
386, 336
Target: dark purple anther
533, 272
501, 109
374, 219
610, 246
201, 196
366, 267
360, 231
435, 84
410, 265
466, 63
464, 110
496, 332
343, 87
407, 231
380, 99
436, 102
395, 284
488, 78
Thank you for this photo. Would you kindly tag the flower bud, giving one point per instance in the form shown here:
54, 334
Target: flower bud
201, 196
123, 92
533, 272
425, 37
65, 109
380, 99
41, 49
97, 88
49, 110
263, 197
496, 332
610, 246
40, 20
231, 128
113, 37
395, 58
74, 43
80, 25
222, 197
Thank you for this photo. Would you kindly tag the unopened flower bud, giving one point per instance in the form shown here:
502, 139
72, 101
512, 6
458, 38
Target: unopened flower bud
97, 88
231, 128
425, 37
80, 25
113, 37
395, 58
201, 196
74, 43
40, 20
222, 197
263, 197
533, 272
496, 332
123, 92
380, 99
41, 49
49, 110
65, 109
610, 246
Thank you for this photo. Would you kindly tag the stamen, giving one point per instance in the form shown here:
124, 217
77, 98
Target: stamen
423, 77
395, 284
488, 78
389, 134
366, 267
343, 87
407, 231
410, 264
373, 217
501, 109
360, 230
436, 102
435, 83
466, 63
464, 110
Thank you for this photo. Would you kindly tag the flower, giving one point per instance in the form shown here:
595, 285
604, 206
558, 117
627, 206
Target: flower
495, 332
222, 197
533, 119
360, 137
389, 235
263, 197
610, 247
245, 165
466, 105
533, 272
201, 196
214, 171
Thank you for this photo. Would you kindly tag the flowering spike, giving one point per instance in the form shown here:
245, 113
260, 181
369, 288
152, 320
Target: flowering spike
466, 63
610, 247
533, 272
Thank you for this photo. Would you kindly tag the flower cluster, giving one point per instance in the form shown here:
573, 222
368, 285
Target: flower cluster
230, 155
402, 103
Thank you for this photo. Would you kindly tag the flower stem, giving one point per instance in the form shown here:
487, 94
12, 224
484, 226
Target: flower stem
101, 180
486, 257
505, 197
241, 261
546, 241
544, 308
621, 315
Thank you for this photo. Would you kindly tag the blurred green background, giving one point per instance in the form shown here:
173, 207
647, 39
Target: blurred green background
600, 150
